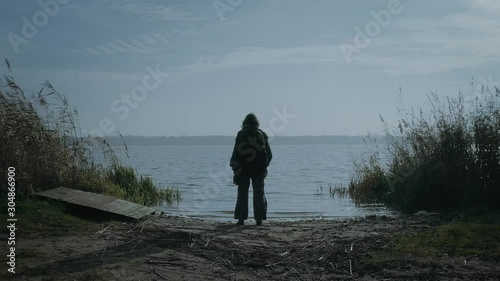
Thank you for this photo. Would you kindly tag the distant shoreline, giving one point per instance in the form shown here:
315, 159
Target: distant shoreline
229, 140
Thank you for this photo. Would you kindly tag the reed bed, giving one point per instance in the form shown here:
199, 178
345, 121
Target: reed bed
41, 138
447, 159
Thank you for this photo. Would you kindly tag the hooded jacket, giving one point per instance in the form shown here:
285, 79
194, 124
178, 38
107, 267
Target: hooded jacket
239, 156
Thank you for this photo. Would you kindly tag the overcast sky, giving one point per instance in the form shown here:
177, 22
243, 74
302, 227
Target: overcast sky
304, 67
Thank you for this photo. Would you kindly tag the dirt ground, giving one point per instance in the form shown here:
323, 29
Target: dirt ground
173, 248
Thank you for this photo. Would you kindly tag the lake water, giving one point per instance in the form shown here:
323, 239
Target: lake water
297, 186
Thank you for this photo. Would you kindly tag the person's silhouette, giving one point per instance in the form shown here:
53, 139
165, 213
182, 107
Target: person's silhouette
249, 161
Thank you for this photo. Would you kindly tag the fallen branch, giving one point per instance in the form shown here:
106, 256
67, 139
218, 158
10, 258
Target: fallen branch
102, 231
157, 273
103, 252
192, 244
165, 262
350, 267
143, 225
136, 245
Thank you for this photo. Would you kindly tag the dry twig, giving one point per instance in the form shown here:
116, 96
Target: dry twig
102, 231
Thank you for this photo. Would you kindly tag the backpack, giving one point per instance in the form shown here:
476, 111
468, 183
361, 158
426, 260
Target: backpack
252, 151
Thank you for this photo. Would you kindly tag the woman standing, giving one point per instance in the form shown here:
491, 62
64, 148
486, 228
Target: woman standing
249, 161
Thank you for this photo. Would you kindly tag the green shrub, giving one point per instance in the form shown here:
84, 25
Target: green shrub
447, 160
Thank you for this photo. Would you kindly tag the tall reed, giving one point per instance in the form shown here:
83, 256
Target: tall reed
448, 159
40, 137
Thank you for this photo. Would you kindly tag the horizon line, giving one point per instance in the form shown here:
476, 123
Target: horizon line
178, 136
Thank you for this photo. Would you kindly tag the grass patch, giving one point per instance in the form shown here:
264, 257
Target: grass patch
171, 194
338, 190
139, 188
457, 239
41, 218
467, 239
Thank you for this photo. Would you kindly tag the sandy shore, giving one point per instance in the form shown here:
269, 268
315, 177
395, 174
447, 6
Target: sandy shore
173, 248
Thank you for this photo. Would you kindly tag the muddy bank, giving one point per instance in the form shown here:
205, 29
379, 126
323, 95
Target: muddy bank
172, 248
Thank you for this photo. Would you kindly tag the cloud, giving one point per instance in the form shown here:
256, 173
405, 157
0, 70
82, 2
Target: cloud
267, 56
74, 76
152, 43
152, 12
488, 5
421, 46
410, 45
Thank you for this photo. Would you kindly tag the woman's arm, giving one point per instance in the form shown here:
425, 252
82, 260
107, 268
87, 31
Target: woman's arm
234, 162
268, 149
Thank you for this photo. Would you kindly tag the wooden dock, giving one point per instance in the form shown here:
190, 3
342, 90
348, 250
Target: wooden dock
98, 202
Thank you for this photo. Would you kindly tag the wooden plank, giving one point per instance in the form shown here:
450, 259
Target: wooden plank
98, 201
67, 195
139, 213
121, 208
117, 203
132, 210
104, 203
82, 199
125, 207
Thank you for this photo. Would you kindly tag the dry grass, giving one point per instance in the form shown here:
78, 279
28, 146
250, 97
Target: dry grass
41, 138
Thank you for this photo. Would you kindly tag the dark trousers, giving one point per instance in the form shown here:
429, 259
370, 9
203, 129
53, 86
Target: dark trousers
259, 198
